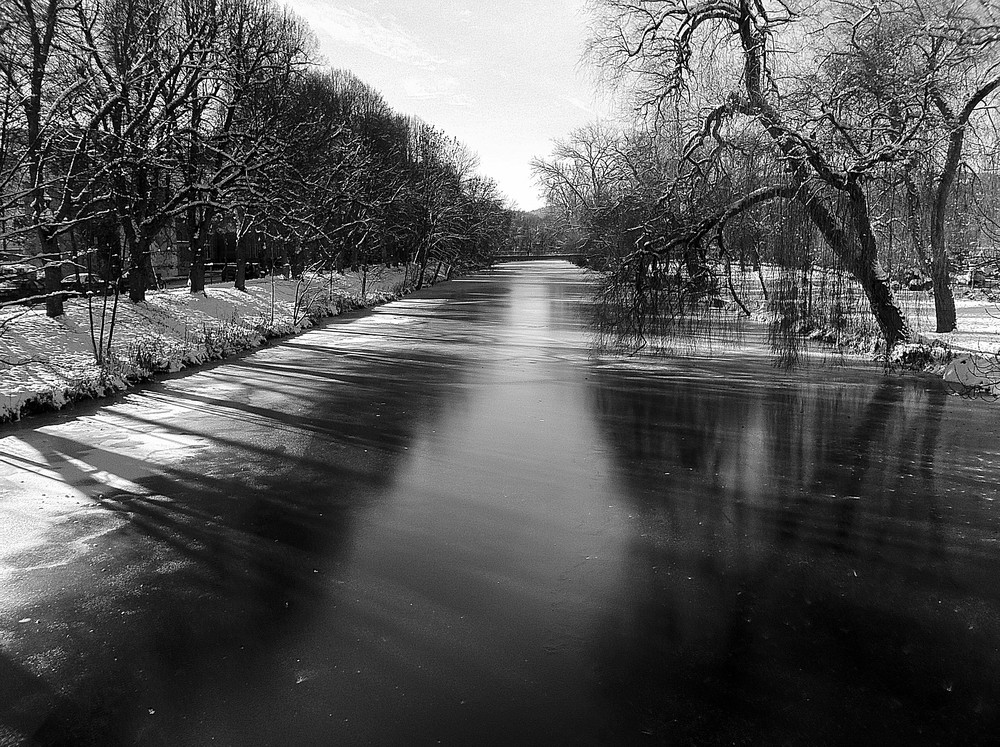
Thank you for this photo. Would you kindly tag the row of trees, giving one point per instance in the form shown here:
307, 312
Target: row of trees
126, 122
803, 132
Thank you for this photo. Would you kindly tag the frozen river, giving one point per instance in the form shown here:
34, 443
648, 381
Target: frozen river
447, 521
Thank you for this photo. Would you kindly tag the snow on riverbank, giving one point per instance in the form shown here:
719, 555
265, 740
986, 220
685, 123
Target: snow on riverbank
968, 358
978, 325
46, 363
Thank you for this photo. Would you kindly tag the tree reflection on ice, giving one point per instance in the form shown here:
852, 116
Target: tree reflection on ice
807, 559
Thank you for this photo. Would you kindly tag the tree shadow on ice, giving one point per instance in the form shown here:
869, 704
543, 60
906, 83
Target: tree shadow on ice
235, 547
32, 708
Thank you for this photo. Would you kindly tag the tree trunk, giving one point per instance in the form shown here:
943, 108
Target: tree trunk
137, 260
53, 286
944, 301
241, 274
853, 242
242, 252
41, 30
51, 258
890, 319
149, 276
197, 238
136, 283
421, 262
196, 275
49, 253
421, 272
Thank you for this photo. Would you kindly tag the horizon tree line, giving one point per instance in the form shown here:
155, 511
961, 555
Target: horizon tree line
124, 123
805, 134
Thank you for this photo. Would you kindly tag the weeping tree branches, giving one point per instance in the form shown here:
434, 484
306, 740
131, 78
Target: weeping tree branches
670, 273
711, 226
842, 96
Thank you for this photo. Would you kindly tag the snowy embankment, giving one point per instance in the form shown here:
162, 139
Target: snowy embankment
978, 321
968, 358
46, 363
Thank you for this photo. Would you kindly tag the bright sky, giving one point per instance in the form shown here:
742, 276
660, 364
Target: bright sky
503, 76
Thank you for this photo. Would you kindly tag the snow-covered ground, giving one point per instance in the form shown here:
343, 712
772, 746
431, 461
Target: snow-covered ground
978, 310
973, 348
978, 322
45, 363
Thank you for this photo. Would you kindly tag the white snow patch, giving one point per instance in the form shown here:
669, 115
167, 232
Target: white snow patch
46, 363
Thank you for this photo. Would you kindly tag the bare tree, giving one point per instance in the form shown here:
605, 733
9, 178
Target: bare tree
733, 58
916, 73
38, 66
144, 68
234, 112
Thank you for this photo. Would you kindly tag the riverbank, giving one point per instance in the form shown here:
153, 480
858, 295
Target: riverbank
978, 320
46, 364
969, 358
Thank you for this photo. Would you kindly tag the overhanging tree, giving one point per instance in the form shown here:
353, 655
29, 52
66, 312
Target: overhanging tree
926, 67
721, 58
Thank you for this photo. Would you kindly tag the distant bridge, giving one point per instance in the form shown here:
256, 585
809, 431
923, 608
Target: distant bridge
533, 257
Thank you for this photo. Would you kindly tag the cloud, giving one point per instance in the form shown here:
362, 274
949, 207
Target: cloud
348, 25
437, 87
